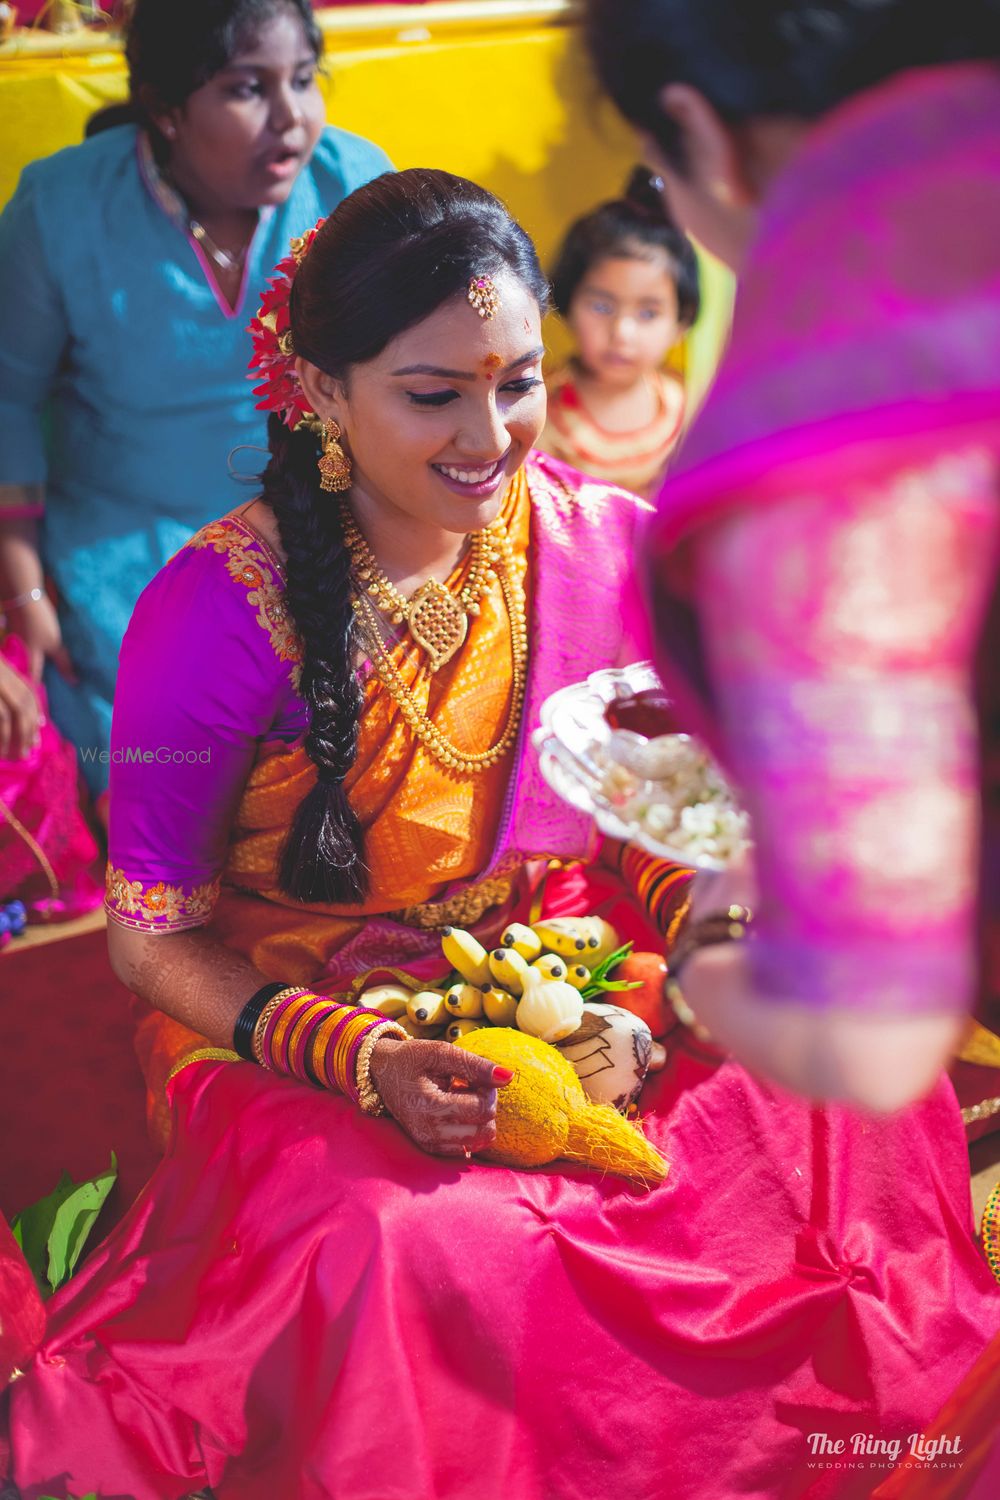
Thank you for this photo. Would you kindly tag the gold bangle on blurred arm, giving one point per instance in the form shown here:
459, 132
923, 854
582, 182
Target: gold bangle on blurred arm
683, 1011
729, 926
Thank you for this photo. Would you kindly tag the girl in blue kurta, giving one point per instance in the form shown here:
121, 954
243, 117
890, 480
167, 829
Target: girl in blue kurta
125, 262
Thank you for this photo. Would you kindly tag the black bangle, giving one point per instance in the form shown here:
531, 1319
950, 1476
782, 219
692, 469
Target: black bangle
249, 1016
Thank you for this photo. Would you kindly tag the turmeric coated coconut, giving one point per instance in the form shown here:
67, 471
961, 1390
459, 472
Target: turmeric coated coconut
543, 1113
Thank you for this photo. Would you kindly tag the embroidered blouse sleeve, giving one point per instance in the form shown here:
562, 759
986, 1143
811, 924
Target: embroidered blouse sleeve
207, 670
841, 632
34, 334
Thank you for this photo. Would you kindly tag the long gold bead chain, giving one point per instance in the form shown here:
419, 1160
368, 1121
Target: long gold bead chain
424, 729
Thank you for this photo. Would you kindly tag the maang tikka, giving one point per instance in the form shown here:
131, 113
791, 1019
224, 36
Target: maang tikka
482, 294
334, 465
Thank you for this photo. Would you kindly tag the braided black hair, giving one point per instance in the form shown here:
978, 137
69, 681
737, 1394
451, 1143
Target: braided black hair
627, 226
175, 46
758, 58
321, 860
388, 256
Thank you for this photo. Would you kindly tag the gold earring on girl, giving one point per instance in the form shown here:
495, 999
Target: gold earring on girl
334, 464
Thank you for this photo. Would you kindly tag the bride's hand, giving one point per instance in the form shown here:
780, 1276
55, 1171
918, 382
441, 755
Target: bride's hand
444, 1098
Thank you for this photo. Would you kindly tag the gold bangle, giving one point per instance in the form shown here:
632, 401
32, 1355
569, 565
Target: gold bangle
683, 1011
369, 1098
257, 1043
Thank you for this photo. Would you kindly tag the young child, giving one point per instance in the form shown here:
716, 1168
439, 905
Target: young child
626, 283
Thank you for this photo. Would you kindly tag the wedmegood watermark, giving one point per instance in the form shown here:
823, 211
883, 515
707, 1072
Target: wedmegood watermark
135, 755
863, 1450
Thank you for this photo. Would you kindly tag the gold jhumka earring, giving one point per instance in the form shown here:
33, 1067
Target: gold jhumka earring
334, 465
483, 296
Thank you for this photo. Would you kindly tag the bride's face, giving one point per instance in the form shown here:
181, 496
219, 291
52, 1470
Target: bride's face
436, 425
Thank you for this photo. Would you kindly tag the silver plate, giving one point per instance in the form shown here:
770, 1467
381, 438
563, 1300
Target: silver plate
572, 727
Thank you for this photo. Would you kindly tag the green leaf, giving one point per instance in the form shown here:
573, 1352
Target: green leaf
600, 984
74, 1219
603, 969
32, 1227
53, 1231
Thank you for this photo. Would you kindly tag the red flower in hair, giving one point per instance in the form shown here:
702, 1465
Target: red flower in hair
273, 359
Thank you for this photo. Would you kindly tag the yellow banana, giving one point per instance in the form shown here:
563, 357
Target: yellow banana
523, 941
602, 940
457, 1029
427, 1008
500, 1007
563, 935
466, 954
390, 999
464, 1001
578, 975
550, 966
508, 969
418, 1032
586, 939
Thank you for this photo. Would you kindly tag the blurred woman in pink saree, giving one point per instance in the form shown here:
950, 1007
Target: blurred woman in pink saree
825, 567
824, 562
302, 1302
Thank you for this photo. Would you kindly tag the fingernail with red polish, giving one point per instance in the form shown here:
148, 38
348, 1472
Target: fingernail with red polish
502, 1075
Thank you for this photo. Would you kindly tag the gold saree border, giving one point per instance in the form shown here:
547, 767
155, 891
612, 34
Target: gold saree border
990, 1232
157, 906
204, 1054
245, 550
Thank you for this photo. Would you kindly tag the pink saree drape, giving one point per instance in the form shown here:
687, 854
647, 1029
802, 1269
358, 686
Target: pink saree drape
301, 1304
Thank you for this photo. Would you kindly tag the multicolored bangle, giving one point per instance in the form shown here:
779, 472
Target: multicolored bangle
248, 1018
320, 1040
662, 889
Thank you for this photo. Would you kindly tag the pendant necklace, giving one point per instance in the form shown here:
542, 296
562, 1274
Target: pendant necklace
437, 619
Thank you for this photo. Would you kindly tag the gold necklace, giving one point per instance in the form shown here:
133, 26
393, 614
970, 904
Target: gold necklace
437, 619
424, 729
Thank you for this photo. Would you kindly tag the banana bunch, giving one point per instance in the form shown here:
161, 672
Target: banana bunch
533, 981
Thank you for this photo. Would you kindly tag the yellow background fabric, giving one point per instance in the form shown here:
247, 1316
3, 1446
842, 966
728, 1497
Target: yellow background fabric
497, 90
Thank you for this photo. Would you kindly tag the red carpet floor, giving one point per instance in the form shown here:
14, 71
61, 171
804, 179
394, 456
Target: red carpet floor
70, 1086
